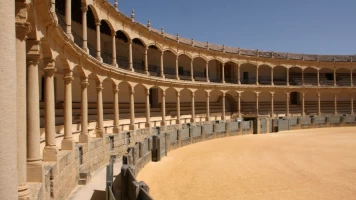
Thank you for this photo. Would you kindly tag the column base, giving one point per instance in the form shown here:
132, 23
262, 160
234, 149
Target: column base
178, 121
147, 73
84, 138
163, 123
50, 154
132, 69
86, 50
162, 76
147, 124
178, 78
132, 127
24, 193
35, 172
116, 130
99, 58
207, 119
99, 133
68, 144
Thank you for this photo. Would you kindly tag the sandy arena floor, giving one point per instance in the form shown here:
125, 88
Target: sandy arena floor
304, 164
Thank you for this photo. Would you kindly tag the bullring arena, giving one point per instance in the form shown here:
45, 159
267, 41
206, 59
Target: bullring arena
183, 119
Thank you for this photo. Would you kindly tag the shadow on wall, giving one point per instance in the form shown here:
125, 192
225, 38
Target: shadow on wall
98, 195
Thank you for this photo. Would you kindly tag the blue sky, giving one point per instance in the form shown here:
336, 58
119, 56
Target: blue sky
300, 26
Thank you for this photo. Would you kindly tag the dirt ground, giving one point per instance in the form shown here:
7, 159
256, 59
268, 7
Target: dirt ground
303, 164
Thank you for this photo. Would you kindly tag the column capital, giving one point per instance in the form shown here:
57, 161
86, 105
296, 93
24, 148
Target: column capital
113, 33
115, 89
84, 81
49, 70
99, 86
193, 94
178, 93
97, 23
22, 29
68, 78
272, 94
163, 93
84, 8
207, 93
223, 94
147, 91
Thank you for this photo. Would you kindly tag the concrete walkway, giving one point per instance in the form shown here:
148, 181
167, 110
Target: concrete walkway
95, 189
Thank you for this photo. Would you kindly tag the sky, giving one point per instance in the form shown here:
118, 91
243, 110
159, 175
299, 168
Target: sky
296, 26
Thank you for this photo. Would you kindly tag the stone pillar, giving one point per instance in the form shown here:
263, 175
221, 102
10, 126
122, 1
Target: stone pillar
132, 108
192, 70
193, 109
303, 77
34, 159
68, 142
21, 31
85, 33
99, 110
207, 106
130, 56
334, 76
115, 91
223, 106
335, 104
98, 47
303, 104
272, 83
318, 77
272, 104
114, 63
207, 71
239, 104
8, 87
177, 68
352, 104
84, 137
161, 64
319, 111
351, 81
146, 61
163, 108
257, 75
148, 112
287, 103
50, 152
287, 77
257, 97
68, 18
178, 108
238, 74
223, 73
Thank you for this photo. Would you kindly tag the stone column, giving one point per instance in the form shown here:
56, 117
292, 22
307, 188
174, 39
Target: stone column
130, 56
114, 63
272, 104
207, 71
223, 73
335, 104
257, 75
287, 77
115, 91
98, 47
303, 77
132, 108
334, 76
161, 65
50, 152
99, 110
85, 33
148, 112
207, 106
257, 97
351, 81
318, 77
163, 108
303, 104
68, 142
21, 31
272, 83
192, 70
177, 68
178, 108
238, 74
352, 103
239, 104
8, 87
223, 106
146, 61
193, 109
34, 159
68, 18
319, 111
84, 137
287, 103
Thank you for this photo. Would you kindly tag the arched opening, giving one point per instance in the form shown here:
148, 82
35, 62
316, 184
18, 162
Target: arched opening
280, 75
343, 77
310, 76
248, 73
200, 105
264, 75
171, 105
295, 76
280, 103
199, 66
91, 32
169, 64
77, 27
105, 42
154, 60
311, 103
215, 67
230, 72
343, 103
248, 103
122, 50
326, 76
184, 67
138, 55
60, 11
295, 106
327, 102
264, 103
124, 105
